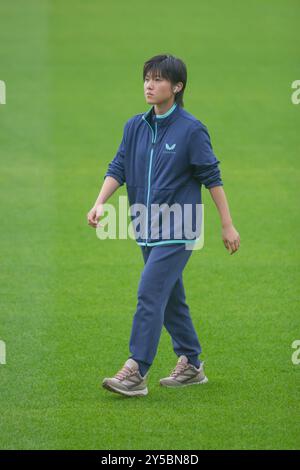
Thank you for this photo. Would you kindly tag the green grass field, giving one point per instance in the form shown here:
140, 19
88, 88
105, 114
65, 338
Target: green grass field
73, 74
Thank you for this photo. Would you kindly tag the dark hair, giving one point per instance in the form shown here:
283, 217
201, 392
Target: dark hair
169, 67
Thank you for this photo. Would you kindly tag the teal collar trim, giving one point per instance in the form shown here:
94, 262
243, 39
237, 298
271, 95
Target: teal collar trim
162, 116
162, 119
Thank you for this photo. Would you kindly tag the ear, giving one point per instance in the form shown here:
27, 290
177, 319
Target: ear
178, 87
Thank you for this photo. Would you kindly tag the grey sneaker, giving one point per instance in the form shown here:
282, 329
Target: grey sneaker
184, 374
128, 381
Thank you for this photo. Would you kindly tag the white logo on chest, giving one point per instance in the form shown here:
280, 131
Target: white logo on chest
170, 147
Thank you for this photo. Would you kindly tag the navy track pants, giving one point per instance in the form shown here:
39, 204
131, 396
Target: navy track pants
161, 301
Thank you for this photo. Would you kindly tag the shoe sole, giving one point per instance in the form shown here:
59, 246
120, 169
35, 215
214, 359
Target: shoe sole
203, 381
129, 393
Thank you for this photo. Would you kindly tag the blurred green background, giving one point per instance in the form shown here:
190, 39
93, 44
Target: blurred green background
73, 74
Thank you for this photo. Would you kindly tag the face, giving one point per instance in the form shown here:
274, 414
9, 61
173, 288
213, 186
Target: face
158, 89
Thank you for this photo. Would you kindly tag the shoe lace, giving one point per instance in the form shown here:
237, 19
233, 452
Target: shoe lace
126, 371
180, 367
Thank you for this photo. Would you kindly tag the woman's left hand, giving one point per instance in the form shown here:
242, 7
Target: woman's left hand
231, 238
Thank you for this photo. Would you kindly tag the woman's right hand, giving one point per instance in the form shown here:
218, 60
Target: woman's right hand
94, 214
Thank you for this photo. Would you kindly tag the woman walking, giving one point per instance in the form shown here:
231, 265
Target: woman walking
164, 158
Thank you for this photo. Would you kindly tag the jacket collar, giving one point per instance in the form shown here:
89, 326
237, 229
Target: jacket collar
162, 119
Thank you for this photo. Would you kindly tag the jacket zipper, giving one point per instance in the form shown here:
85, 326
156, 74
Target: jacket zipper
154, 135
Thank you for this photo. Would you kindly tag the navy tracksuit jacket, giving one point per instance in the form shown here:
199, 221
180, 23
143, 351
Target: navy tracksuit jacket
164, 159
